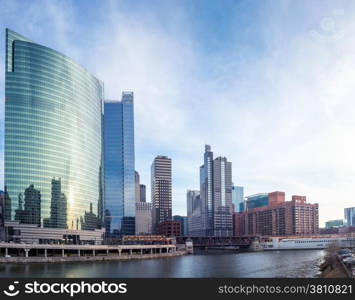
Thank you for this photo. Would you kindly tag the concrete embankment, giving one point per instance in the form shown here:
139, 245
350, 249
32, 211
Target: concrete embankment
53, 259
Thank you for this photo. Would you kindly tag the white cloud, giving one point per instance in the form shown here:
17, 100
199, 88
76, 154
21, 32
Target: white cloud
283, 114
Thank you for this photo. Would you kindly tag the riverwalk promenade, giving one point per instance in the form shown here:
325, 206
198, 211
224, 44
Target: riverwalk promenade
12, 252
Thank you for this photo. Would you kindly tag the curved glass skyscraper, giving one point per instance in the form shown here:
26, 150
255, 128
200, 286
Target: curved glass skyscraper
53, 138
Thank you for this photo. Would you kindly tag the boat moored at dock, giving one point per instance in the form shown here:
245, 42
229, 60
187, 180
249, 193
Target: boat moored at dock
303, 243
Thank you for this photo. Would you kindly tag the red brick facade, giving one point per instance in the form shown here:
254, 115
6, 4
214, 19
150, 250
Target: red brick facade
280, 217
169, 228
276, 197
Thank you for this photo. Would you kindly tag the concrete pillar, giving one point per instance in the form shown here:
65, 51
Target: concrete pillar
141, 251
62, 252
160, 250
26, 252
93, 252
6, 252
45, 252
151, 251
78, 252
130, 251
119, 252
107, 251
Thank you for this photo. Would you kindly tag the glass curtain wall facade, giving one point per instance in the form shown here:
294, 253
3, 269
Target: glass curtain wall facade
257, 200
237, 197
119, 166
349, 216
2, 216
53, 138
206, 188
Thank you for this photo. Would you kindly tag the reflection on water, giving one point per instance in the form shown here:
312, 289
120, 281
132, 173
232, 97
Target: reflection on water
301, 263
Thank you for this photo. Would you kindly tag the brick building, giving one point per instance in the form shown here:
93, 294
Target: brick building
279, 217
169, 228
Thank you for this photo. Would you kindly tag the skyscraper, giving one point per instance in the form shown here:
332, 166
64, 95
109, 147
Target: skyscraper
194, 214
237, 197
183, 224
191, 196
161, 180
143, 218
206, 190
2, 216
137, 186
216, 195
349, 216
119, 166
142, 193
53, 129
222, 197
256, 200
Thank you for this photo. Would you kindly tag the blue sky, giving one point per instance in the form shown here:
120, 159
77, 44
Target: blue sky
268, 84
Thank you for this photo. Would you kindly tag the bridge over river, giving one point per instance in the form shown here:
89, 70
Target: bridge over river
217, 241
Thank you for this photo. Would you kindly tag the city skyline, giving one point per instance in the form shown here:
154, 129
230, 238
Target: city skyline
298, 142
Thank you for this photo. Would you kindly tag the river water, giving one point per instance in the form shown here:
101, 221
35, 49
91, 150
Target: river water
300, 263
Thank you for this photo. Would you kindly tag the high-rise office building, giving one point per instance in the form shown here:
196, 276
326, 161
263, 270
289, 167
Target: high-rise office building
2, 216
169, 228
216, 195
143, 218
238, 197
194, 214
53, 129
191, 197
119, 169
206, 192
161, 180
334, 223
142, 193
183, 224
8, 208
222, 197
137, 186
279, 217
349, 216
256, 200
